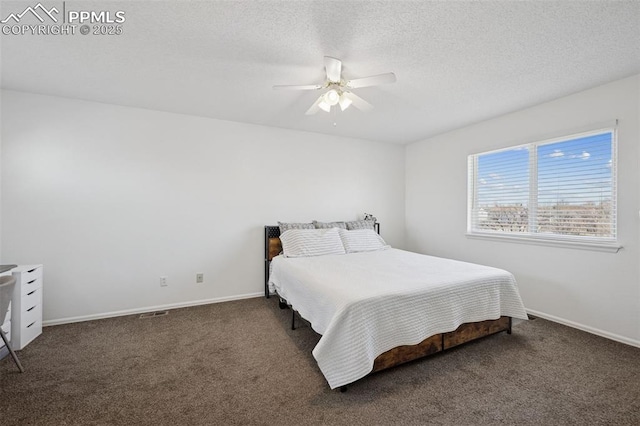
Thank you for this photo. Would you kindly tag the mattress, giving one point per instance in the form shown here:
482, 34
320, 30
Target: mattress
364, 304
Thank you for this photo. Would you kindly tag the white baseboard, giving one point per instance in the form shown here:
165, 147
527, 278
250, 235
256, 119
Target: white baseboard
68, 320
145, 309
596, 331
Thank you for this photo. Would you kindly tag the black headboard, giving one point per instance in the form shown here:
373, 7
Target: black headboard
270, 232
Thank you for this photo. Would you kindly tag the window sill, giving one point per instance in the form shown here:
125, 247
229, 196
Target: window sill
542, 241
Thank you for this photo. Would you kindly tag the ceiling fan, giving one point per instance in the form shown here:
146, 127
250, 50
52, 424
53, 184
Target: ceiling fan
339, 89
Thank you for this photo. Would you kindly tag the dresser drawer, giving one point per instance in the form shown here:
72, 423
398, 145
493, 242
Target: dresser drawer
30, 332
31, 315
29, 286
31, 299
31, 274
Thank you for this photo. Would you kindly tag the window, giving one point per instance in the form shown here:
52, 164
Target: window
562, 190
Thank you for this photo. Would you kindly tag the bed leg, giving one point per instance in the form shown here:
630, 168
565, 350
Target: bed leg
293, 319
509, 329
343, 389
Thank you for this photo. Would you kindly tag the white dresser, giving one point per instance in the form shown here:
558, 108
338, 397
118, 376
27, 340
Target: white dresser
26, 305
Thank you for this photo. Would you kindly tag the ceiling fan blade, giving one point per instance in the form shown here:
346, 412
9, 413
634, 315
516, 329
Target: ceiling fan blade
374, 80
315, 107
306, 87
358, 102
333, 67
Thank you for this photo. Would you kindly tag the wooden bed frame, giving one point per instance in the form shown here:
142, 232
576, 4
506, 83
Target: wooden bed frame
401, 354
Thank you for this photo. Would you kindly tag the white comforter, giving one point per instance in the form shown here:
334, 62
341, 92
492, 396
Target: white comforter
364, 304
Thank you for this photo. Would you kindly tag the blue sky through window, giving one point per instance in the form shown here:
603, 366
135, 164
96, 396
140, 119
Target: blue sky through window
575, 171
503, 178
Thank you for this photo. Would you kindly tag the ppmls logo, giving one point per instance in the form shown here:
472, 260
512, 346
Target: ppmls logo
43, 20
33, 11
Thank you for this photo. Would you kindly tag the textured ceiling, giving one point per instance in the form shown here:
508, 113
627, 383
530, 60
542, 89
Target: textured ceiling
456, 62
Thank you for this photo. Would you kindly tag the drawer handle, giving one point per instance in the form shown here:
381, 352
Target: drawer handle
32, 281
31, 324
29, 294
31, 309
31, 270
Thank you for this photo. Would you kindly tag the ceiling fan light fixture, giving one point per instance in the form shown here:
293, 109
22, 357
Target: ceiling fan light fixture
337, 91
324, 106
344, 102
332, 97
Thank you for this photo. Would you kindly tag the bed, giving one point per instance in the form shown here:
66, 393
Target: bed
381, 308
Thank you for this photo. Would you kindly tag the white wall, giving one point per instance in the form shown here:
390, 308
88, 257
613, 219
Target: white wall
596, 291
110, 198
1, 94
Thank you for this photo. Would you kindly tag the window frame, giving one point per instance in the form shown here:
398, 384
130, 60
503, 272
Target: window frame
558, 240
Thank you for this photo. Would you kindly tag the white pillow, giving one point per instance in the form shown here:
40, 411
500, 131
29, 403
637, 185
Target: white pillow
358, 240
311, 242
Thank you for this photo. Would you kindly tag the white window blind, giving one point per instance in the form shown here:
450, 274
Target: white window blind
562, 189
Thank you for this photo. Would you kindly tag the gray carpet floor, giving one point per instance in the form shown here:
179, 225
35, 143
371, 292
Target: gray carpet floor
239, 363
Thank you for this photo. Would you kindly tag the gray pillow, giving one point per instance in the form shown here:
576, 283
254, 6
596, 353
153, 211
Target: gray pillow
327, 225
284, 226
360, 224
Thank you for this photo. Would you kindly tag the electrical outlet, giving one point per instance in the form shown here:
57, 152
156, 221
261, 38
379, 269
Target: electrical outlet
199, 278
163, 281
